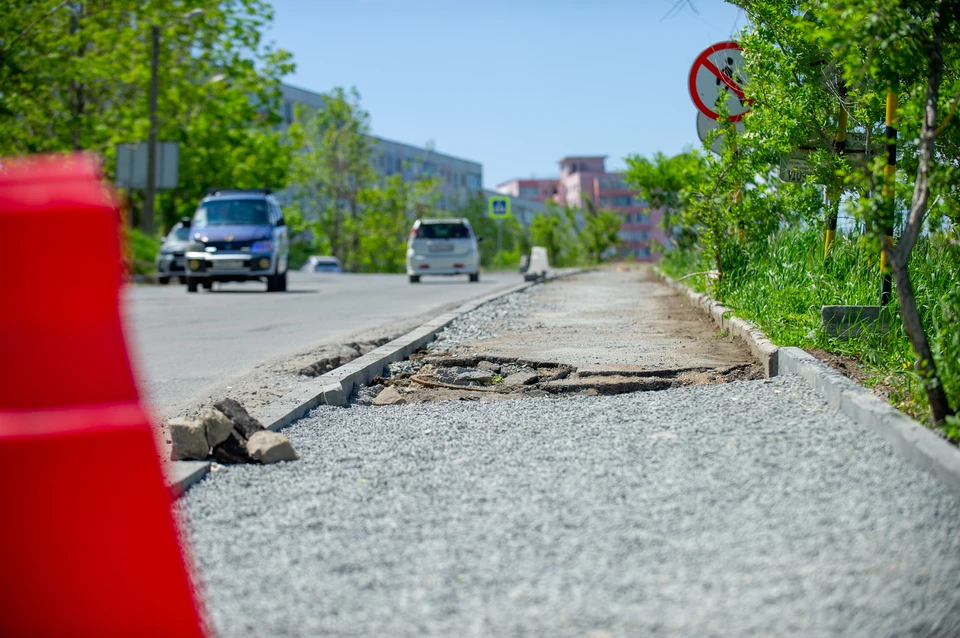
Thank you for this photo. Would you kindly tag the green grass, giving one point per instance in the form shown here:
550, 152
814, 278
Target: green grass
780, 284
141, 252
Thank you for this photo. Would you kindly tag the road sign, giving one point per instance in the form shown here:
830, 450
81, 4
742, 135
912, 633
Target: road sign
705, 126
132, 165
499, 207
794, 165
718, 74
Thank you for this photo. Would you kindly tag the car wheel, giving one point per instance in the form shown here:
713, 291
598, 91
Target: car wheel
475, 277
414, 279
183, 280
283, 282
163, 281
192, 285
208, 285
276, 283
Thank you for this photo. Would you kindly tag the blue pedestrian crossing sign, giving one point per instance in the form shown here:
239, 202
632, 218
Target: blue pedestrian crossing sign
499, 207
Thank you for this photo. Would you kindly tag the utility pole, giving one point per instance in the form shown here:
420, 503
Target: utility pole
147, 219
889, 193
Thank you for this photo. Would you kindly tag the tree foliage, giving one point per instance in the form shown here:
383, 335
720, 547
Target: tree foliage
75, 75
817, 70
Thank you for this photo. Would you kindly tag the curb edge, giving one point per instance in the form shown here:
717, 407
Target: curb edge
334, 387
912, 440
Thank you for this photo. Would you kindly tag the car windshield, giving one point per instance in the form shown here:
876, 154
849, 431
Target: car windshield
180, 234
232, 212
443, 231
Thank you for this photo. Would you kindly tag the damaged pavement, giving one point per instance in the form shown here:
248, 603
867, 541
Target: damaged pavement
599, 333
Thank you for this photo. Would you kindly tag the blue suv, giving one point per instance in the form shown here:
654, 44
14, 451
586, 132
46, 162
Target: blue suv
237, 235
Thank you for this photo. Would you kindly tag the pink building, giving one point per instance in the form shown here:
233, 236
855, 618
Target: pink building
539, 190
579, 176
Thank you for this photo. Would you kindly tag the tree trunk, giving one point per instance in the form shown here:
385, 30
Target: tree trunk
900, 256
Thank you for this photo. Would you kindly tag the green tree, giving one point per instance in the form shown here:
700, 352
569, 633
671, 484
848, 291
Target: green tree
600, 230
334, 170
75, 76
661, 180
387, 218
555, 229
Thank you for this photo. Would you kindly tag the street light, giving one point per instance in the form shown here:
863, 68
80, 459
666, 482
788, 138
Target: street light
146, 222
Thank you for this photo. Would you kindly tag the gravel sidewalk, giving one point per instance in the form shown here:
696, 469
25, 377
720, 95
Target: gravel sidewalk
747, 509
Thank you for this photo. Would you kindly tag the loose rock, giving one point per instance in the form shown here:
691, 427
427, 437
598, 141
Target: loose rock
271, 447
489, 365
390, 396
243, 423
233, 450
521, 378
216, 425
189, 439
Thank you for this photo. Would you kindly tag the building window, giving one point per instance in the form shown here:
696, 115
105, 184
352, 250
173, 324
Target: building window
529, 192
623, 200
288, 112
473, 182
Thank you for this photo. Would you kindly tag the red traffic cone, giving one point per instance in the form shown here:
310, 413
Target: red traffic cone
89, 542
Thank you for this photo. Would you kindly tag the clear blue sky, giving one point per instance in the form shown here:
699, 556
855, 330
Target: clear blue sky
513, 84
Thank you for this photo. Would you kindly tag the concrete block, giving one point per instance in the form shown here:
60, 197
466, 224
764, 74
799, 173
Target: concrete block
180, 475
334, 394
916, 443
847, 322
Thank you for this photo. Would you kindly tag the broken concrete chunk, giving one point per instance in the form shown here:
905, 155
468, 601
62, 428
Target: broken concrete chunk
489, 365
521, 378
464, 376
389, 396
271, 447
233, 450
216, 425
243, 423
189, 439
474, 377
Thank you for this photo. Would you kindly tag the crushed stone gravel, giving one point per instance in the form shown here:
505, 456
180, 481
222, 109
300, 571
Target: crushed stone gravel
745, 509
493, 319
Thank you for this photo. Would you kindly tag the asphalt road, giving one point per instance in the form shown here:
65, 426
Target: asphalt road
184, 343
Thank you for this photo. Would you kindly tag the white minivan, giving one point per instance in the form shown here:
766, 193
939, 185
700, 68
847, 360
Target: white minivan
442, 247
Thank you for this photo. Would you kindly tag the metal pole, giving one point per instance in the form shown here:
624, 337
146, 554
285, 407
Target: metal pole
889, 193
832, 195
499, 244
147, 220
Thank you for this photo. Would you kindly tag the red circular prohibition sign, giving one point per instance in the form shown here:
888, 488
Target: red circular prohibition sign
704, 60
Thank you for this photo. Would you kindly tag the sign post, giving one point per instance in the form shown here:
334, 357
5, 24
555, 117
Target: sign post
718, 76
499, 209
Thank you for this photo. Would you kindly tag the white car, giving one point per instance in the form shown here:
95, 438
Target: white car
442, 247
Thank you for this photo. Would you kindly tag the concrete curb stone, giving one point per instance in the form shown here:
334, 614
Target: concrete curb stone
760, 346
908, 438
334, 387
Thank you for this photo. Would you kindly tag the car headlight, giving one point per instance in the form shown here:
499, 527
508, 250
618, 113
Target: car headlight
262, 246
196, 247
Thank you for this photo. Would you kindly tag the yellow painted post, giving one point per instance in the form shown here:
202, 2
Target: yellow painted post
833, 194
889, 192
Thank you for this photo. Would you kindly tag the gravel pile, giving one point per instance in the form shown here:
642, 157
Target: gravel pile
738, 510
492, 319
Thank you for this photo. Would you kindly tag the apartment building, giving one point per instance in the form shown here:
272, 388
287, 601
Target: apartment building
539, 190
587, 176
459, 177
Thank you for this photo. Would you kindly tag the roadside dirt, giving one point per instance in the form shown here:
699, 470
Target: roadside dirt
604, 332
